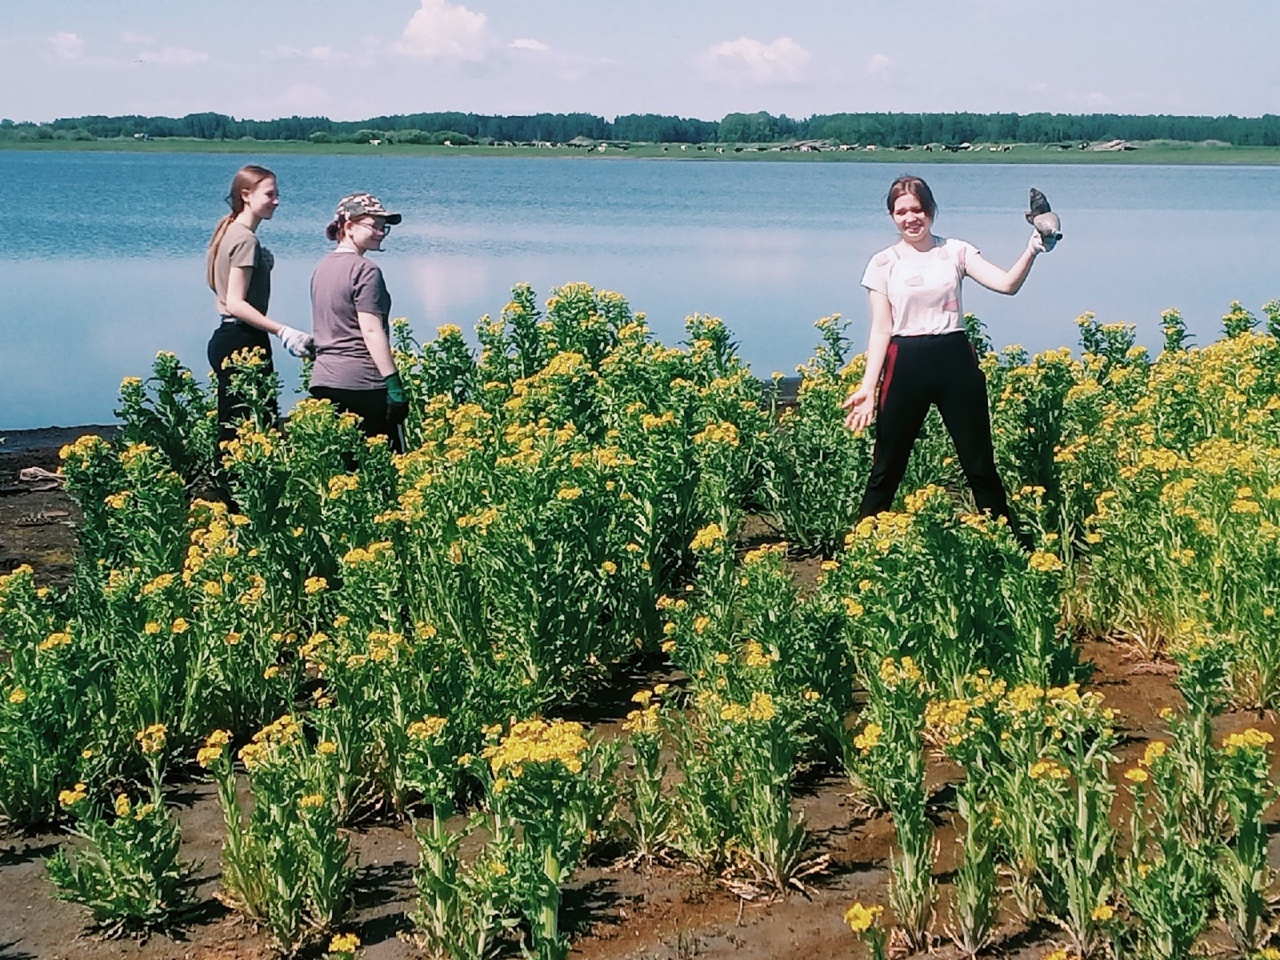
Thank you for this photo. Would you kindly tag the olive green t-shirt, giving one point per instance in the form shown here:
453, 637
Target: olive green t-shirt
239, 247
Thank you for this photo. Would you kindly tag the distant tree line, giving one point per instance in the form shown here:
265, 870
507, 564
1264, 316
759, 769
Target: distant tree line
886, 129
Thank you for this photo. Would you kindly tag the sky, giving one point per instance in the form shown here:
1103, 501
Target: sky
694, 58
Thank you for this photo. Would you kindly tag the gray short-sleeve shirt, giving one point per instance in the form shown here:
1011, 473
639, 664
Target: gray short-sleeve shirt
344, 284
239, 247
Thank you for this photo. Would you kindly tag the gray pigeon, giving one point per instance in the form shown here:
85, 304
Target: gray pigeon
1042, 217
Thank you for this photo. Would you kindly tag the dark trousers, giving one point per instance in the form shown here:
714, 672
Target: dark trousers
920, 372
369, 405
226, 340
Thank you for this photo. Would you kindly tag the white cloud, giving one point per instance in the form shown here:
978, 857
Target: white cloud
319, 54
878, 65
446, 31
525, 43
781, 61
67, 46
174, 57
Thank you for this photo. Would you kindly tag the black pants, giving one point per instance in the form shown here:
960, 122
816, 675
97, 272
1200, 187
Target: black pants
226, 340
369, 405
920, 372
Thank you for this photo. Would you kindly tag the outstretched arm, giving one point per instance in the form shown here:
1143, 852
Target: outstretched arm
861, 404
1006, 281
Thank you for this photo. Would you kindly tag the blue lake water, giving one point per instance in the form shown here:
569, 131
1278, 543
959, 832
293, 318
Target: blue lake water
102, 259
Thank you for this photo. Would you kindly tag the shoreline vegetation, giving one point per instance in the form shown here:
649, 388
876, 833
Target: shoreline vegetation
1131, 152
863, 137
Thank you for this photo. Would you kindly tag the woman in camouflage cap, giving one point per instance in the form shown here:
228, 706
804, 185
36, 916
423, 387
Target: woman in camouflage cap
350, 307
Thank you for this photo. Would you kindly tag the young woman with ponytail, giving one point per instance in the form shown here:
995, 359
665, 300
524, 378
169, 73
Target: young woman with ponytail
238, 271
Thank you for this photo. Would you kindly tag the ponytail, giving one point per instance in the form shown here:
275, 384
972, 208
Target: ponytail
211, 254
246, 178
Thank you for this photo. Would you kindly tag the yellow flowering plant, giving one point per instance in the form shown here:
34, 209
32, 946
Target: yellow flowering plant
816, 468
1166, 878
865, 922
904, 587
1011, 741
734, 803
1077, 872
128, 871
53, 700
553, 782
1244, 870
647, 813
285, 863
465, 909
886, 764
172, 413
975, 903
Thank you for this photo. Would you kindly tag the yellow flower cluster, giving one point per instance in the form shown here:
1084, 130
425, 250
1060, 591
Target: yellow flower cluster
869, 738
755, 657
1044, 562
369, 554
283, 731
69, 798
152, 740
708, 538
861, 919
346, 943
760, 554
1251, 738
162, 582
722, 432
894, 673
1046, 769
427, 728
54, 640
343, 483
538, 742
761, 709
643, 720
249, 446
213, 747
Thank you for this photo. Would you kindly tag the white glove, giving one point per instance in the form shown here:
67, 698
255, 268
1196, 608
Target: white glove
297, 342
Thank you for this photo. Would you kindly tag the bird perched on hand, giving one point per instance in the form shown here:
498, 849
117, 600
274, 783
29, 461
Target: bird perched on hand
1042, 217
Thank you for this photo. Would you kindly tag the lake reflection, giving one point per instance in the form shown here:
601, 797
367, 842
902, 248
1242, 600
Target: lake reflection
97, 281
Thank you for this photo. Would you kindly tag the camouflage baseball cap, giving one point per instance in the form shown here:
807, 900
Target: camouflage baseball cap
364, 205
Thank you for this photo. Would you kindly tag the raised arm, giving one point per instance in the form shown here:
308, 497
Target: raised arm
1005, 281
861, 404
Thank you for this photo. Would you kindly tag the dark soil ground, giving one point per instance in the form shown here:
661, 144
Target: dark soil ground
615, 912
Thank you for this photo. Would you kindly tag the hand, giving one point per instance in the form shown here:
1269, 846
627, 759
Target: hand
397, 411
1036, 244
297, 342
397, 402
861, 405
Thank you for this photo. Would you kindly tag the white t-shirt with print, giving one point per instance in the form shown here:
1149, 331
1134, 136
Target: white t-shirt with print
923, 288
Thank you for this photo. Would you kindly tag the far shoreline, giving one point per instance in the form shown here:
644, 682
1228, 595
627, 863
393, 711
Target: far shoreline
1142, 154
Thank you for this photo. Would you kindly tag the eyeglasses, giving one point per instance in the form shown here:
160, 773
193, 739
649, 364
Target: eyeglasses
384, 229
